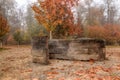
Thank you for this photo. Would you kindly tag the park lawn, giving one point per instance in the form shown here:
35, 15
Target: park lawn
16, 64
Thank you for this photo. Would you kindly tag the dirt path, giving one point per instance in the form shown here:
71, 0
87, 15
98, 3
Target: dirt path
16, 64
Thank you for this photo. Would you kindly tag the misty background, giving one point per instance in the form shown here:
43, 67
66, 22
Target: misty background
20, 16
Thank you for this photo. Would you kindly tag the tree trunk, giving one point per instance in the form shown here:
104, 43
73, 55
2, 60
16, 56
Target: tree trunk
1, 45
50, 35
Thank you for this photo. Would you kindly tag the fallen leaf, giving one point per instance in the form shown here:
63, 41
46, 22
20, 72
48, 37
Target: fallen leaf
77, 79
62, 69
52, 73
62, 78
35, 79
81, 72
92, 61
29, 70
50, 77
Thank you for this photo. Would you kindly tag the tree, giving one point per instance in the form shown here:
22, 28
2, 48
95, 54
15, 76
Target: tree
4, 28
18, 37
7, 8
111, 10
32, 25
51, 13
11, 13
89, 6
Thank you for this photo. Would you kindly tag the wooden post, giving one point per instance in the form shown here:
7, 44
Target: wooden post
40, 50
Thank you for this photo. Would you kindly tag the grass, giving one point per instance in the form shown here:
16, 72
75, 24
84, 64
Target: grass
1, 49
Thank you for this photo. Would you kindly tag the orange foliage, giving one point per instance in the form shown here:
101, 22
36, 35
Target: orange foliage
96, 32
51, 13
4, 28
110, 33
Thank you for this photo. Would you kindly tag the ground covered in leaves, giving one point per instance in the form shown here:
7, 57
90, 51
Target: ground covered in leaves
16, 64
